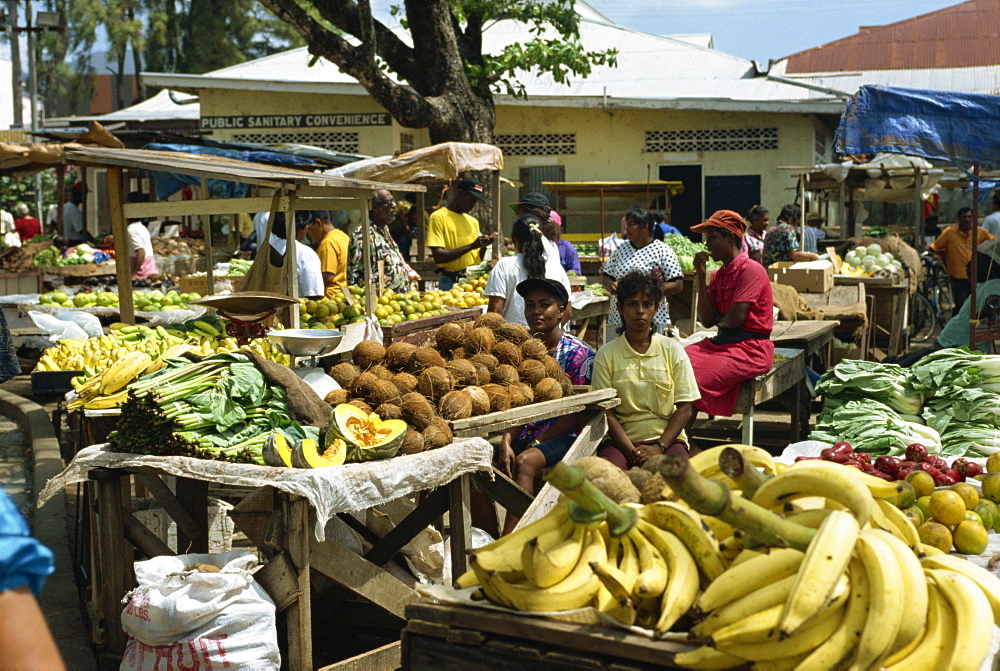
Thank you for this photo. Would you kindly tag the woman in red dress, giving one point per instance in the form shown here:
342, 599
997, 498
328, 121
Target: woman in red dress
737, 300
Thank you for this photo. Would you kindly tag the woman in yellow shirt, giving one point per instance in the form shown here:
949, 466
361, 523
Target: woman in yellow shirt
653, 377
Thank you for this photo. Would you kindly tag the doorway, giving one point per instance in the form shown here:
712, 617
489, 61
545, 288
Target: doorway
685, 207
731, 192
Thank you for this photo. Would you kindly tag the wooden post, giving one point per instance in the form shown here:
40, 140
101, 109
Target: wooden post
974, 261
295, 511
495, 212
115, 567
123, 264
460, 518
292, 258
60, 201
918, 212
193, 497
421, 227
206, 227
366, 255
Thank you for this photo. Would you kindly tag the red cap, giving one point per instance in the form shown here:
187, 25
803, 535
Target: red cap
725, 219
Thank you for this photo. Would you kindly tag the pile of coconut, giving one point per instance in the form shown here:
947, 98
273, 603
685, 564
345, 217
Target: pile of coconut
474, 369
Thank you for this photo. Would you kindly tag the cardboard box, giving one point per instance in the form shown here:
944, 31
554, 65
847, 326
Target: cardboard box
808, 277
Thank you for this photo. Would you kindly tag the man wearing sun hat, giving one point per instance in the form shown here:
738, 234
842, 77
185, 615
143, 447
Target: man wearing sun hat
738, 301
453, 234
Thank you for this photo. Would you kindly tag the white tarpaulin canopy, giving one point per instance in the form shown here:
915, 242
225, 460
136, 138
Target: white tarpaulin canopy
439, 162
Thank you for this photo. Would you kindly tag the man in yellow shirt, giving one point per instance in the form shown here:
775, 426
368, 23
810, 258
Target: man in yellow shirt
955, 244
332, 244
453, 234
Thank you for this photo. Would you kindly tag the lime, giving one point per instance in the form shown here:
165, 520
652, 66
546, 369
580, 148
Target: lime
988, 511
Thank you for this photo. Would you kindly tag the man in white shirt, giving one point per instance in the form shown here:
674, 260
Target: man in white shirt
992, 222
307, 262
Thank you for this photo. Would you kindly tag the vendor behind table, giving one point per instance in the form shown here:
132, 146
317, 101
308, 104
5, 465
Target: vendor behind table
453, 235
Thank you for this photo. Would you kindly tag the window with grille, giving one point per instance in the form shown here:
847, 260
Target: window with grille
549, 144
345, 142
712, 139
406, 142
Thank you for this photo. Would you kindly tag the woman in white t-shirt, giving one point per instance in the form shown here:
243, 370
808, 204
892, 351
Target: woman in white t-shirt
140, 251
533, 260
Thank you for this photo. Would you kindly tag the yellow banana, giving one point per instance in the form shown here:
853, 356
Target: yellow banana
652, 579
877, 487
504, 555
682, 571
707, 462
972, 633
706, 657
802, 641
615, 581
986, 581
749, 576
206, 327
839, 484
885, 613
772, 594
106, 402
934, 651
899, 525
838, 650
546, 564
914, 587
696, 536
123, 371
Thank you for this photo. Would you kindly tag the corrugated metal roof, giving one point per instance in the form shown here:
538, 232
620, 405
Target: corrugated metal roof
964, 35
652, 71
985, 79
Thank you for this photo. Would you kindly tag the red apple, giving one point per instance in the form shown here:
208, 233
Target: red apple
916, 452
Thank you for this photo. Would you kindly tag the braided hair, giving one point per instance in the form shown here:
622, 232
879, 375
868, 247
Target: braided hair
527, 230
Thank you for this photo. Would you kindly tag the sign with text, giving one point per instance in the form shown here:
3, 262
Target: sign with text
259, 121
15, 136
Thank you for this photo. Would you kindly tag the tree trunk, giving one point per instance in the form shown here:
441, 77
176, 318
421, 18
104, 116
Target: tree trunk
15, 63
57, 100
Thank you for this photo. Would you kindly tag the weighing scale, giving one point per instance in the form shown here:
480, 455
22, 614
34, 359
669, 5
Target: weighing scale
244, 312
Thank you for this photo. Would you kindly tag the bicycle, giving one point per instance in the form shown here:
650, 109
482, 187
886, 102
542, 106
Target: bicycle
932, 305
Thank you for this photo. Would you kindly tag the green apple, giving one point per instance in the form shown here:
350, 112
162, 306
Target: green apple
45, 299
59, 297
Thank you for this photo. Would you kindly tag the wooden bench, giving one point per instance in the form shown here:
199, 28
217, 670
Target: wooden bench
786, 377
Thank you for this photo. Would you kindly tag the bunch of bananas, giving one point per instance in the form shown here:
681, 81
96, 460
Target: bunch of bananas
832, 575
107, 389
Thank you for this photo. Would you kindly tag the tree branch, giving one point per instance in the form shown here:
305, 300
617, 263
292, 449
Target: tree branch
408, 108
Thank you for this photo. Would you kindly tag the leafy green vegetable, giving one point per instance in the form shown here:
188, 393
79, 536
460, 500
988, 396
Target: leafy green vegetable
873, 427
685, 250
853, 379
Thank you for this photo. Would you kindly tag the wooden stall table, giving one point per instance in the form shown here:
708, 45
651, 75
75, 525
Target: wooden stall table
307, 500
597, 310
786, 380
891, 298
811, 336
446, 636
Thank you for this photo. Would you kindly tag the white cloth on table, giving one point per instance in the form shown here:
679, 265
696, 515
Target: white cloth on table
332, 490
509, 272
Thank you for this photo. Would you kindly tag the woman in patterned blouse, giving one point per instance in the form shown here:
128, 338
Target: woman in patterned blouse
526, 450
753, 242
644, 254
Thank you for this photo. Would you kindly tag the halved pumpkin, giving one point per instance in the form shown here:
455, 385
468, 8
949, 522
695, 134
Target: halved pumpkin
368, 437
277, 451
306, 453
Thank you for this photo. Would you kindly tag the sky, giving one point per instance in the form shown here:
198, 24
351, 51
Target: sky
763, 29
756, 29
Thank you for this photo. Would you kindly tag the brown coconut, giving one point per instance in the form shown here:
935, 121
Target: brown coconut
435, 382
367, 353
480, 400
449, 336
382, 391
529, 393
552, 367
458, 353
455, 405
417, 413
534, 349
360, 405
516, 396
508, 353
413, 442
362, 384
345, 373
381, 372
464, 372
547, 389
499, 400
483, 373
490, 320
389, 411
609, 479
479, 339
414, 396
531, 371
422, 359
505, 374
513, 332
398, 354
486, 359
405, 382
566, 385
337, 396
436, 435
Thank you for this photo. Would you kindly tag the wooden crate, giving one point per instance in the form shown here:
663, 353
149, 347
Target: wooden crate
420, 332
533, 412
439, 636
12, 284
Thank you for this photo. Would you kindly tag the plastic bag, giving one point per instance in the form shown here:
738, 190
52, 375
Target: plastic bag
88, 322
183, 617
56, 328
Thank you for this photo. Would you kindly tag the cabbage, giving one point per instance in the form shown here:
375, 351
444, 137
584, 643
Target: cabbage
874, 248
868, 262
860, 252
851, 259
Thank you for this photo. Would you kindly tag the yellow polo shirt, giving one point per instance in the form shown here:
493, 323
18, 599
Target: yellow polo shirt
649, 385
332, 251
450, 230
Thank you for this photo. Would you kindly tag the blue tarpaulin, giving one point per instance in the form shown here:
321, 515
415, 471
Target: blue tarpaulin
168, 183
945, 125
